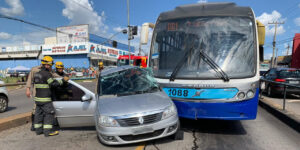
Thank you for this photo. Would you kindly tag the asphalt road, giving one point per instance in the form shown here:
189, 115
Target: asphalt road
264, 133
19, 103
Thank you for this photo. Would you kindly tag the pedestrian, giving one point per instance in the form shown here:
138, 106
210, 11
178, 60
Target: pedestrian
98, 74
44, 113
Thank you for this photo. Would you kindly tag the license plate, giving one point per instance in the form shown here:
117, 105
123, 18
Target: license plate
142, 130
294, 82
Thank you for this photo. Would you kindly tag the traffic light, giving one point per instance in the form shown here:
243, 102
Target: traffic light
134, 30
115, 44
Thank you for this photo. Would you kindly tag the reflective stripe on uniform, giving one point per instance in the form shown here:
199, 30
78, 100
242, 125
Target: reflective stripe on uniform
42, 86
38, 125
38, 99
50, 80
60, 82
47, 126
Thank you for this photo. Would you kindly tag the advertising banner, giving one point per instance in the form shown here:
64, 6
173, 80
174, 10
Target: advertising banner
72, 34
105, 50
62, 49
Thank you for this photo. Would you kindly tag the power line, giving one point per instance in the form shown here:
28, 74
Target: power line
48, 28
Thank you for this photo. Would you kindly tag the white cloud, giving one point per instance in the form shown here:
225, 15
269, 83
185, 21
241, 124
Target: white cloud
82, 12
202, 1
268, 56
36, 37
16, 8
5, 36
266, 18
118, 29
297, 21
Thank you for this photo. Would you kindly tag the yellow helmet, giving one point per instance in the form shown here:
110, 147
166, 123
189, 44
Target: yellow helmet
100, 64
47, 60
59, 65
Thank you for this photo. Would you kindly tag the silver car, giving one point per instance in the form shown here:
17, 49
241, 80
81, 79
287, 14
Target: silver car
3, 98
129, 107
132, 108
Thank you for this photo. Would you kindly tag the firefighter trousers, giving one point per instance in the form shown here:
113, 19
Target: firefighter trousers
44, 117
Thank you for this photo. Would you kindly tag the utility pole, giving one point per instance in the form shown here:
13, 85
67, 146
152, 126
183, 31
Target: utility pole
274, 41
288, 48
276, 58
129, 31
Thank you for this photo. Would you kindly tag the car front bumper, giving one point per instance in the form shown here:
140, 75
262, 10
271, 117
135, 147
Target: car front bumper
135, 134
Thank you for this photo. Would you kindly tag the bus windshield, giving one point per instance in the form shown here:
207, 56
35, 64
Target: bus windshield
228, 41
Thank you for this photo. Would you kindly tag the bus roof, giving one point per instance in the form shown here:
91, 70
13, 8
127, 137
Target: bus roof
206, 9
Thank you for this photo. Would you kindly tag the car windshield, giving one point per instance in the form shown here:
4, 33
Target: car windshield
289, 73
128, 82
227, 41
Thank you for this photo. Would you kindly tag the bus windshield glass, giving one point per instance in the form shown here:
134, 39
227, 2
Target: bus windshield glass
228, 41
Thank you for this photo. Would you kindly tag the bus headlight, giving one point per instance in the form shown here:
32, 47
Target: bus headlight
169, 111
241, 96
107, 121
250, 94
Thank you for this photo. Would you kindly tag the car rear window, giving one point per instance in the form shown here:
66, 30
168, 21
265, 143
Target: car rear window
289, 73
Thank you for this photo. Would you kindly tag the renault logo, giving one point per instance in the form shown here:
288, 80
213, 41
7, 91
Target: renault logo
141, 120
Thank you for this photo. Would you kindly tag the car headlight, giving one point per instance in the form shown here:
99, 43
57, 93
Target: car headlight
107, 121
169, 111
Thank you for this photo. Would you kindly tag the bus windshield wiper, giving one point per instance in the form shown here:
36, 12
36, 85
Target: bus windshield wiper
214, 66
180, 63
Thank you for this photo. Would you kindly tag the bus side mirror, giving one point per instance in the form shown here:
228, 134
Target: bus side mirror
144, 34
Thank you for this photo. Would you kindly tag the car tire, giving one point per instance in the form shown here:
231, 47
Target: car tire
178, 135
3, 104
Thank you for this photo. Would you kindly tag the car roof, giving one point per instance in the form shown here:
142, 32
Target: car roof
117, 69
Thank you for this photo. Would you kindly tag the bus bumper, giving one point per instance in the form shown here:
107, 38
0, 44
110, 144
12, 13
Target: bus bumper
242, 110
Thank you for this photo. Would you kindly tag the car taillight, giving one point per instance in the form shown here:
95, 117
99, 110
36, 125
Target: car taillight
280, 80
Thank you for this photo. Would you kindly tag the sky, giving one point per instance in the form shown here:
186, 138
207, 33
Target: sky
107, 17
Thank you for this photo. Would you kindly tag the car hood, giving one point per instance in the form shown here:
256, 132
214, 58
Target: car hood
133, 104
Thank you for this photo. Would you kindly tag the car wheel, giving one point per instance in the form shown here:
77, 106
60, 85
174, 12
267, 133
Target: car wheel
3, 104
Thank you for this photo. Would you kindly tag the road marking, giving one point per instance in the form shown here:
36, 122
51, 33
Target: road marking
140, 147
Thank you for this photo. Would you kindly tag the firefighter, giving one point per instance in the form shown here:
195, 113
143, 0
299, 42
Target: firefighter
59, 71
98, 73
30, 88
44, 113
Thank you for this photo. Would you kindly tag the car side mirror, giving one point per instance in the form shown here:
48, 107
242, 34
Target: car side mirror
86, 98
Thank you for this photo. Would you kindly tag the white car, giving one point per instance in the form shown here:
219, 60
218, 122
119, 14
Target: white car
3, 98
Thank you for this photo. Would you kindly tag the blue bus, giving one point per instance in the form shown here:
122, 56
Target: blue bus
206, 58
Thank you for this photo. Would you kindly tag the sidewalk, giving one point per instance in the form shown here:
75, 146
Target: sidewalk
291, 114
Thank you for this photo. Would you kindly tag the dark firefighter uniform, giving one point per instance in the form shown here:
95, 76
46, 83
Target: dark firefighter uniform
44, 113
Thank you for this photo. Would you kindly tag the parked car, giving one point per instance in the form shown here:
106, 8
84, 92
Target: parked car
284, 75
129, 107
3, 98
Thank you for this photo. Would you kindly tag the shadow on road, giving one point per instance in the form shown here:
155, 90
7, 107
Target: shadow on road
229, 127
10, 108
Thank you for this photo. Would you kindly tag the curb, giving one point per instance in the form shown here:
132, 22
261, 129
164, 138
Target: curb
286, 117
15, 121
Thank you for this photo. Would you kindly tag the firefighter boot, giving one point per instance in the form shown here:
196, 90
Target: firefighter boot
53, 133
